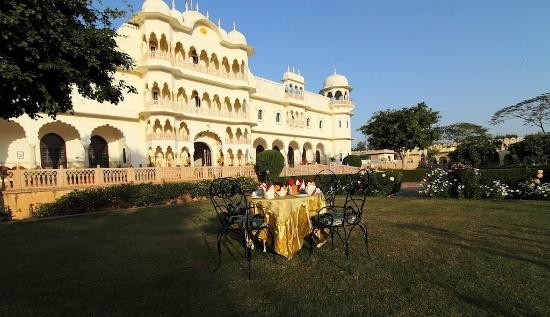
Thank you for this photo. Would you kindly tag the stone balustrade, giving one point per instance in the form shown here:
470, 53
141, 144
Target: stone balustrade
211, 70
22, 180
341, 102
185, 108
166, 136
294, 95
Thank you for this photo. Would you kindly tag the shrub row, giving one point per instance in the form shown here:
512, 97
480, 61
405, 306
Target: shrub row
380, 183
507, 175
467, 182
129, 195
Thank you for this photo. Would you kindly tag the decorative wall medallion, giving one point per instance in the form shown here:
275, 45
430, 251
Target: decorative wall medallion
203, 30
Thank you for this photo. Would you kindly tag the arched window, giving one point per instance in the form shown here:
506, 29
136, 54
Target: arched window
52, 151
197, 102
347, 124
194, 57
320, 124
308, 122
260, 114
155, 94
278, 117
124, 156
98, 152
339, 123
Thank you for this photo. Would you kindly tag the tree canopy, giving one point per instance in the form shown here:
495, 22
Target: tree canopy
534, 112
360, 146
534, 149
50, 48
403, 129
478, 152
462, 131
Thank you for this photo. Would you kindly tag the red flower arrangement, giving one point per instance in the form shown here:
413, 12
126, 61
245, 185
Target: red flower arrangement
290, 181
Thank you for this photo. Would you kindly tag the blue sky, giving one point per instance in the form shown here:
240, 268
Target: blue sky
466, 59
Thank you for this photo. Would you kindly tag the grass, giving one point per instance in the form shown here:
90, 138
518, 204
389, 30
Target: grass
436, 257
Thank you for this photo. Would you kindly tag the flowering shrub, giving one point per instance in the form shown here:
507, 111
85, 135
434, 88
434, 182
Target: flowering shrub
466, 182
436, 184
533, 190
495, 190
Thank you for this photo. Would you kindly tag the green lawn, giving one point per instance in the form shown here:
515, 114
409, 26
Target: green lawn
436, 257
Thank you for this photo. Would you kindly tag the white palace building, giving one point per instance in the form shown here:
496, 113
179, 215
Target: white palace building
198, 104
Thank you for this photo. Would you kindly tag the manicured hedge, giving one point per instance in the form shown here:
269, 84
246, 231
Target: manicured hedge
129, 195
415, 175
352, 160
381, 183
269, 165
513, 176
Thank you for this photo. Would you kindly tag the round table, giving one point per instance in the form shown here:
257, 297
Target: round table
290, 218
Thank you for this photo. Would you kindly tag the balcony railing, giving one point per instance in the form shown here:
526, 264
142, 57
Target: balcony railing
341, 102
294, 95
185, 108
299, 123
237, 141
166, 136
211, 70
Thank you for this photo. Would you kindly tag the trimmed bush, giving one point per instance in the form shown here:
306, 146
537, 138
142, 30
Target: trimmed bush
352, 160
269, 165
129, 195
414, 175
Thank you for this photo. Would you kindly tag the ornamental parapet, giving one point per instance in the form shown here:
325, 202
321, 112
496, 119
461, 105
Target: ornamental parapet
211, 70
336, 102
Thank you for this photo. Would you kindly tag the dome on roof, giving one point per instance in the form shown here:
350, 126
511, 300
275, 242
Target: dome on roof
190, 17
236, 37
155, 6
335, 80
175, 13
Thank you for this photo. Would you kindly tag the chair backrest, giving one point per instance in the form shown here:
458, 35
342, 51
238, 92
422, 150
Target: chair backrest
356, 195
327, 181
228, 199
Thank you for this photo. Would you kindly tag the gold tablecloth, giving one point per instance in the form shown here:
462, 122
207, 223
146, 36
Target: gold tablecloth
290, 218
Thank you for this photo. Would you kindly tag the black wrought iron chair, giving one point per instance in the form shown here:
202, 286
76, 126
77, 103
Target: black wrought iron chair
233, 211
343, 220
327, 181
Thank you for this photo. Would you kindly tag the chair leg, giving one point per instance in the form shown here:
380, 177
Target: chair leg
364, 227
331, 238
311, 242
247, 250
272, 234
219, 237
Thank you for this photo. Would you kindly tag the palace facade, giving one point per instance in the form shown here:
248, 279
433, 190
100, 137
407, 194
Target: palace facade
198, 104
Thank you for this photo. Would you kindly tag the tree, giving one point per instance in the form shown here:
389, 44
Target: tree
360, 146
478, 152
352, 160
534, 112
50, 48
462, 131
402, 130
534, 149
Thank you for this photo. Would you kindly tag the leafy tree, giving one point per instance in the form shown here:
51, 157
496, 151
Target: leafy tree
534, 112
534, 149
361, 146
478, 152
462, 131
402, 130
50, 48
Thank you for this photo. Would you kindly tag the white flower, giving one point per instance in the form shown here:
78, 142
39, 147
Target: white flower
392, 179
383, 175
